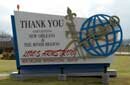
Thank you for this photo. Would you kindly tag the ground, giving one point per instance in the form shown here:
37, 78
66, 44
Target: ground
120, 63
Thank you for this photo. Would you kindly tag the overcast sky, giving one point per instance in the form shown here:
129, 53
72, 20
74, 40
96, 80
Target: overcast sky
83, 8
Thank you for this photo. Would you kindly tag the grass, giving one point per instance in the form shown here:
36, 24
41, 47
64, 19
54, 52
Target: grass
7, 66
120, 63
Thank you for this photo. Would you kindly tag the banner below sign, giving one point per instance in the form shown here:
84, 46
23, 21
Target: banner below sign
46, 39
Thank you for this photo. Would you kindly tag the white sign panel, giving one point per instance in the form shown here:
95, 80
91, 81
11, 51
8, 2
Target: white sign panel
46, 39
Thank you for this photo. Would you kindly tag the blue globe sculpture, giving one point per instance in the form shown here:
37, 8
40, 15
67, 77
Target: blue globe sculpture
101, 35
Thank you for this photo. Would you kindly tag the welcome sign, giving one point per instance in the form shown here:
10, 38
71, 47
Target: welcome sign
44, 39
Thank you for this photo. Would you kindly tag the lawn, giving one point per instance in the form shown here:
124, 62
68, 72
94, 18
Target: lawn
120, 63
7, 66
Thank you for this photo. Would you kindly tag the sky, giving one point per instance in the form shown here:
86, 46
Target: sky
83, 8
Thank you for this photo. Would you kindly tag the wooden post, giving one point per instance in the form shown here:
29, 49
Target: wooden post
18, 7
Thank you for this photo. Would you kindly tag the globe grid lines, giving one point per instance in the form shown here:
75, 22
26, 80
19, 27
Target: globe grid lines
115, 44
